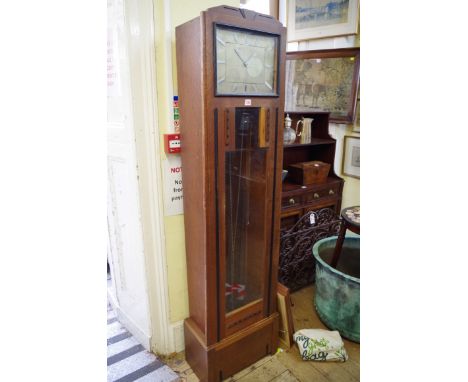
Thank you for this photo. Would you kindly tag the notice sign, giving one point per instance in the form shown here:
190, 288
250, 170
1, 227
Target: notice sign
173, 191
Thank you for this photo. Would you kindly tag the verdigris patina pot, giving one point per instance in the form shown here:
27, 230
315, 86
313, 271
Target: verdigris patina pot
337, 290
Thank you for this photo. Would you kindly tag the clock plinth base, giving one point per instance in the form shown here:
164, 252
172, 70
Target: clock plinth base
221, 360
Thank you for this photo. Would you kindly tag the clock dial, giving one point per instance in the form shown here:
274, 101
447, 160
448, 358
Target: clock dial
246, 62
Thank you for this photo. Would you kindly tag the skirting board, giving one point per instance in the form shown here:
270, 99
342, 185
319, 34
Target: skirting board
177, 336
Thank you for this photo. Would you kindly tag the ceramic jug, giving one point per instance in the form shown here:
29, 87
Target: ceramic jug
305, 133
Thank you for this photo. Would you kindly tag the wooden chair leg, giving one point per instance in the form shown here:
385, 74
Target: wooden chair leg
339, 245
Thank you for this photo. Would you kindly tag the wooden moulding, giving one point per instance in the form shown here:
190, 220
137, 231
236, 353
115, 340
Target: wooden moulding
312, 172
232, 354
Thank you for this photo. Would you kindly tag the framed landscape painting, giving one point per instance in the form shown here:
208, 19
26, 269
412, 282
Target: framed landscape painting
310, 19
323, 80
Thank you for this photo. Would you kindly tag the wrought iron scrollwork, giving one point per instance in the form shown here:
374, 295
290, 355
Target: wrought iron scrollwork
297, 263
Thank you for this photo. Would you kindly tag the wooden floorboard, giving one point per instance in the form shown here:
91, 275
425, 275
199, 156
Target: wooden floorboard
248, 370
286, 376
287, 365
267, 371
299, 368
305, 317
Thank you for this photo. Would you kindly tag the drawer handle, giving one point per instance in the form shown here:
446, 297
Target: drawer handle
316, 196
331, 192
292, 201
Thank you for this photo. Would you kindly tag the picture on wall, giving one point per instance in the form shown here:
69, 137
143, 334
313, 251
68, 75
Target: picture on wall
351, 157
311, 19
323, 80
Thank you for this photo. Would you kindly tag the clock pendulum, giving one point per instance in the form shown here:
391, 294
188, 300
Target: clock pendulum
238, 213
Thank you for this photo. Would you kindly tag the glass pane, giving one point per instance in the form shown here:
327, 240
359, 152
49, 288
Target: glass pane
245, 185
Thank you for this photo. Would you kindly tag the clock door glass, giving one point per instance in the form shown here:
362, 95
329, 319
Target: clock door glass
246, 62
246, 198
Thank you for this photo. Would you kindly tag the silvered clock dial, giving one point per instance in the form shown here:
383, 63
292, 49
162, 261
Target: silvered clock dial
246, 62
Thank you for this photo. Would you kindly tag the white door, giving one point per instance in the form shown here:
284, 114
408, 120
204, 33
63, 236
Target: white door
128, 293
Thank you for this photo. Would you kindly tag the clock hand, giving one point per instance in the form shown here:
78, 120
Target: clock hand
251, 56
238, 54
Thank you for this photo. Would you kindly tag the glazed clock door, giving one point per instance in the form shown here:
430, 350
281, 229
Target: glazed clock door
246, 202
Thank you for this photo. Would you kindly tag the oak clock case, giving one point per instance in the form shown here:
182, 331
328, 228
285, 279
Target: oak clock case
229, 65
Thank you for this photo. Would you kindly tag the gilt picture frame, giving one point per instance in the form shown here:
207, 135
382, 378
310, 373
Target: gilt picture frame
286, 325
351, 163
357, 121
313, 19
323, 80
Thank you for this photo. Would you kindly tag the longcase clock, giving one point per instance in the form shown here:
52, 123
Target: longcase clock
230, 69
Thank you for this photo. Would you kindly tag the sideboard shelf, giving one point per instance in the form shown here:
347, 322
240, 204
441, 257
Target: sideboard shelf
297, 200
314, 142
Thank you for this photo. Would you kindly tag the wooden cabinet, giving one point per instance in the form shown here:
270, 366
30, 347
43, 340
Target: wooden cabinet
297, 200
296, 197
230, 63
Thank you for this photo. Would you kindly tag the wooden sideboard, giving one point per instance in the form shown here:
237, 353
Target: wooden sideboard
298, 200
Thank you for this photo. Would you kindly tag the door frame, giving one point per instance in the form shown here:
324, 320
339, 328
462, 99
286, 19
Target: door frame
141, 47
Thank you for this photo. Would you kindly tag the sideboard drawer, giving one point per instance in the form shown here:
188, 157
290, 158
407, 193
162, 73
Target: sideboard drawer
325, 192
291, 202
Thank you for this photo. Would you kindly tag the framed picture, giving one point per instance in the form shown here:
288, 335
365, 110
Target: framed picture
357, 122
351, 157
310, 19
323, 80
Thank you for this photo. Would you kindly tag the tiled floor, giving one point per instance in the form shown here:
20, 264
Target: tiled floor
128, 361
